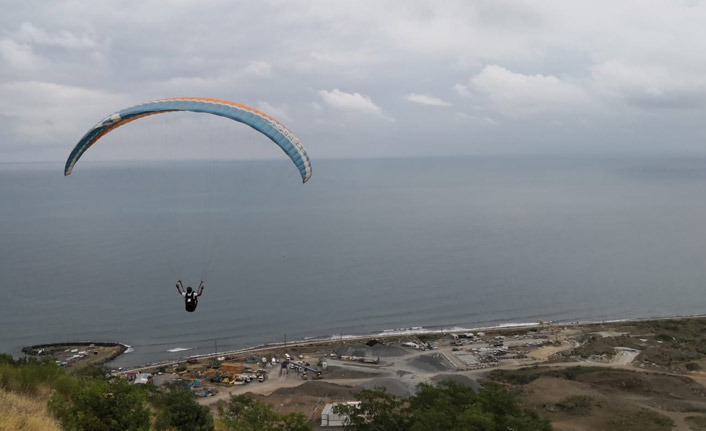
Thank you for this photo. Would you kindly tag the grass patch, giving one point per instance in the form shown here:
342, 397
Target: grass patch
571, 373
25, 388
26, 413
27, 377
523, 376
696, 423
664, 337
692, 366
690, 334
578, 405
640, 420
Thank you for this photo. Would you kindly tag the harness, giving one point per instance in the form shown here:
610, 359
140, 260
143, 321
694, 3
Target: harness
190, 300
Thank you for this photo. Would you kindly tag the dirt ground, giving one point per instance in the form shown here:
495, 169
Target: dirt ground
644, 375
617, 399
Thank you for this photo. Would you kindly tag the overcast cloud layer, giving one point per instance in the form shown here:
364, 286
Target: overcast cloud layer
359, 78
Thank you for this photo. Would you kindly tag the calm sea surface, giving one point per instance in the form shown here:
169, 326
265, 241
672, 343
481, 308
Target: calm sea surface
364, 246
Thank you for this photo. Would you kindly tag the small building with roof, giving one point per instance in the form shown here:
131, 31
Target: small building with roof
331, 419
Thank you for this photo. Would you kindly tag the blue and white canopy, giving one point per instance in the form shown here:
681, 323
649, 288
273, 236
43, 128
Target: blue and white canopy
259, 121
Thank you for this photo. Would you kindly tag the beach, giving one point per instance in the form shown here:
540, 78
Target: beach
320, 372
475, 242
623, 376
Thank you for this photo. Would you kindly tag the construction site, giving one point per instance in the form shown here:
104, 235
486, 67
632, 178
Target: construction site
614, 370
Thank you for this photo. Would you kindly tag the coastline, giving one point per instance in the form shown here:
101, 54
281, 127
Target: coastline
28, 349
104, 351
386, 334
624, 366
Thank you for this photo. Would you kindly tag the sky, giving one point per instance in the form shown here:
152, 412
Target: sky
357, 79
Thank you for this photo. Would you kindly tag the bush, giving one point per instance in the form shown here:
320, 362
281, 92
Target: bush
571, 373
520, 376
578, 405
28, 376
243, 413
664, 337
446, 406
180, 411
101, 405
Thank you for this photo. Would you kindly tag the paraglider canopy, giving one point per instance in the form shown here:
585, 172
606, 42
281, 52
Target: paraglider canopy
258, 120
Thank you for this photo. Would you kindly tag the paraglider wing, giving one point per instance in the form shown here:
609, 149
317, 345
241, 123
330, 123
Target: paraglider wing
259, 121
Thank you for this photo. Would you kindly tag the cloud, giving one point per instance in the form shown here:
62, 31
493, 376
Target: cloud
486, 30
462, 90
522, 65
258, 68
189, 84
49, 111
468, 117
426, 100
217, 80
279, 113
32, 53
66, 39
621, 75
350, 102
651, 85
518, 94
17, 55
341, 60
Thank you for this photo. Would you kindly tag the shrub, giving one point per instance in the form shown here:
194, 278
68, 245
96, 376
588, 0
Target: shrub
101, 405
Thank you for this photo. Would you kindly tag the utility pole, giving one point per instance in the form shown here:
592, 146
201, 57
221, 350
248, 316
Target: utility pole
214, 361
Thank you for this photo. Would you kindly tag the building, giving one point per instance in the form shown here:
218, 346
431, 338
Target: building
331, 419
143, 379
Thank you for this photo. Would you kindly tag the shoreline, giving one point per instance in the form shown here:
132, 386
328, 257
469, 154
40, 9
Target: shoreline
384, 334
623, 365
70, 353
29, 350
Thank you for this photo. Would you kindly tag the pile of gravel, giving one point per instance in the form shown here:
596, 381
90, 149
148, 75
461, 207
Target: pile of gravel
377, 351
319, 389
334, 372
431, 363
392, 386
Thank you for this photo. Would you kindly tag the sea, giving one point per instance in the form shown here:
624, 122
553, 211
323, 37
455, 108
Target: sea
365, 247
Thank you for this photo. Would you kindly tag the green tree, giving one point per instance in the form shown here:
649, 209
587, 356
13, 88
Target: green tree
28, 375
377, 410
101, 405
93, 372
180, 411
243, 413
295, 422
440, 408
447, 406
508, 412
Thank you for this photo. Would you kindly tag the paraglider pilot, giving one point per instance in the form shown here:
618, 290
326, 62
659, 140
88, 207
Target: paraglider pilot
190, 297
